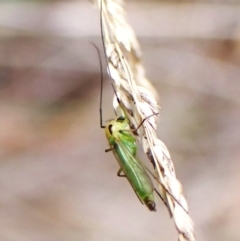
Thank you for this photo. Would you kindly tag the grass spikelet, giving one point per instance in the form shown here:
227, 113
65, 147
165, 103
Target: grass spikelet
139, 100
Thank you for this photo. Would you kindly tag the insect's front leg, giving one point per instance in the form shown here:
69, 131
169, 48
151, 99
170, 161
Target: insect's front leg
110, 149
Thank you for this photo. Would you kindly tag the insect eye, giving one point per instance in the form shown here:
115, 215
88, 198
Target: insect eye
110, 129
121, 119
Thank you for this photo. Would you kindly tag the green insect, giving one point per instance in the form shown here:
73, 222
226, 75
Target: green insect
123, 145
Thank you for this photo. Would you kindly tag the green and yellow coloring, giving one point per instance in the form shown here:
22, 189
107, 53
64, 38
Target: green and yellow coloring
123, 145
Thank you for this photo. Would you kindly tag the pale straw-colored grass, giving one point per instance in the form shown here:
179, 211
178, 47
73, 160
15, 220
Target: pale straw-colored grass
138, 100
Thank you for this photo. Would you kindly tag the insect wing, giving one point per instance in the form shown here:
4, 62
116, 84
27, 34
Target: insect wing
134, 171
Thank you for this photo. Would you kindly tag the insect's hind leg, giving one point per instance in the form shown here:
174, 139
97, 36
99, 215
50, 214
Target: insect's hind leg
159, 195
123, 175
164, 201
119, 173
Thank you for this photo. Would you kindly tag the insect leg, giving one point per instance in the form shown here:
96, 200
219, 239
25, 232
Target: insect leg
164, 189
123, 175
119, 173
170, 214
110, 149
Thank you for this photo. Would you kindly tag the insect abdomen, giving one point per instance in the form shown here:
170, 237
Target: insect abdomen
136, 175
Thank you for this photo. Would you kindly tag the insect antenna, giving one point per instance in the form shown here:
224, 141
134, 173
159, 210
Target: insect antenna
101, 86
106, 59
101, 67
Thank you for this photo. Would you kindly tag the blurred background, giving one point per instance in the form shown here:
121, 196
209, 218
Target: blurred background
56, 181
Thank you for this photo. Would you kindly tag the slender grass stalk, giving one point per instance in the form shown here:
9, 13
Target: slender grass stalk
139, 100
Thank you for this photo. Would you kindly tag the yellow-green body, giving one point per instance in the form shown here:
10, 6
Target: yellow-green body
123, 145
